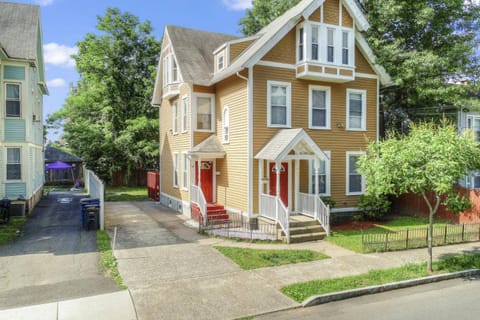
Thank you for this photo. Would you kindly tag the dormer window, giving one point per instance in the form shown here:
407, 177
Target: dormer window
220, 63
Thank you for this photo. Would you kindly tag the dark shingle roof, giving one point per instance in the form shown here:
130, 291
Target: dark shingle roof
194, 52
53, 154
19, 27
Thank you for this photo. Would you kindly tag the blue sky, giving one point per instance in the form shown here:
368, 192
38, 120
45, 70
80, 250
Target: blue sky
66, 22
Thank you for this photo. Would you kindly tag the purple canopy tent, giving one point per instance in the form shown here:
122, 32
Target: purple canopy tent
59, 165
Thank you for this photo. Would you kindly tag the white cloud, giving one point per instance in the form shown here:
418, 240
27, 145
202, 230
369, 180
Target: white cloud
59, 55
43, 2
57, 83
238, 5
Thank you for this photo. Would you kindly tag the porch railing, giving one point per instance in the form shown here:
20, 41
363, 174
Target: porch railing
312, 205
283, 219
269, 206
197, 197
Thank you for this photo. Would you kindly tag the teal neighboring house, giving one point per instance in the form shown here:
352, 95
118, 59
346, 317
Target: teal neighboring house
22, 86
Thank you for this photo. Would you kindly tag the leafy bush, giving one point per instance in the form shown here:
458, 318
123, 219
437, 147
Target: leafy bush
374, 207
457, 203
329, 201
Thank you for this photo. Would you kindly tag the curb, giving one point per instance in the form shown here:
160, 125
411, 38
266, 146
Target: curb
341, 295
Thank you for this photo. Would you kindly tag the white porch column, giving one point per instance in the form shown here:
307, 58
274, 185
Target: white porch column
278, 166
317, 172
199, 171
297, 182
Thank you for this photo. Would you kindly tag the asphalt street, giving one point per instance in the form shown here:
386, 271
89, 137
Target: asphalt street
445, 300
53, 258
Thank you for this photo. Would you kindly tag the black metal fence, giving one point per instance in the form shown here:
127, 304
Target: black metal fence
241, 228
418, 237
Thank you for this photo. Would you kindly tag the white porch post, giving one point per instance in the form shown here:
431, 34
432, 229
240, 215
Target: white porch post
278, 166
317, 171
260, 177
297, 182
199, 172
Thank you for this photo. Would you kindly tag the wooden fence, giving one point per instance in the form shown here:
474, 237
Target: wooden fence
418, 237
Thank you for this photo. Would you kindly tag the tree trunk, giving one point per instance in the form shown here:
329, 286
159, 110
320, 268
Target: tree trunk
433, 210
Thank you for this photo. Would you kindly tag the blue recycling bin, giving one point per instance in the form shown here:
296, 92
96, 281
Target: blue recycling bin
91, 205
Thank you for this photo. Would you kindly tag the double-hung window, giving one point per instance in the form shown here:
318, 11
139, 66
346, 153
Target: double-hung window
323, 176
314, 35
319, 101
473, 123
279, 104
184, 114
330, 45
175, 170
170, 70
185, 164
225, 125
174, 69
175, 117
355, 181
356, 109
205, 111
301, 40
14, 164
345, 47
13, 101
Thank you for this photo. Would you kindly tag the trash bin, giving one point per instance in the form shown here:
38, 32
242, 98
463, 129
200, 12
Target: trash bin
85, 203
5, 210
92, 213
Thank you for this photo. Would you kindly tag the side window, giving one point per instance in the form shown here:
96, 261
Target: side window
319, 107
279, 104
184, 114
205, 111
356, 109
323, 177
13, 100
355, 181
14, 164
175, 117
175, 170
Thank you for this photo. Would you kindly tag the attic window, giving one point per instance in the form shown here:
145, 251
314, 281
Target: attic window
170, 70
220, 61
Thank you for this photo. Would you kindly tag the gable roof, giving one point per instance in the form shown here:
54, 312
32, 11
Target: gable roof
53, 154
19, 28
209, 148
193, 50
277, 29
286, 140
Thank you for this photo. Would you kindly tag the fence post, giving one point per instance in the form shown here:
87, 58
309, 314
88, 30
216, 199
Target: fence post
426, 238
463, 232
363, 240
445, 236
386, 241
406, 240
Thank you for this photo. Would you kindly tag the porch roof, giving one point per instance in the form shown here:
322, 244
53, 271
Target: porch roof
285, 141
210, 148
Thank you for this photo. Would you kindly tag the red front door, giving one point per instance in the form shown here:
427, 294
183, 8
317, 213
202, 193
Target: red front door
206, 179
283, 182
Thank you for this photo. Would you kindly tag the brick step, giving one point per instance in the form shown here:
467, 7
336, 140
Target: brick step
213, 212
297, 238
214, 206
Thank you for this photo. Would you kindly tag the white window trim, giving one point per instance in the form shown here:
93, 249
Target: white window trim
327, 173
184, 117
212, 110
327, 106
175, 170
168, 69
217, 61
227, 111
19, 98
175, 117
347, 173
21, 165
271, 83
185, 170
363, 93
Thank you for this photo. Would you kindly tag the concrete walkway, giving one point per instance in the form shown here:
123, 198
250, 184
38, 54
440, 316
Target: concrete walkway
174, 273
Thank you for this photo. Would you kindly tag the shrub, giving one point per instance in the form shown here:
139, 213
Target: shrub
329, 201
374, 207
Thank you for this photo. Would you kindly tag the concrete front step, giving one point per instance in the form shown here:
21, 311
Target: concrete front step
297, 238
307, 229
302, 224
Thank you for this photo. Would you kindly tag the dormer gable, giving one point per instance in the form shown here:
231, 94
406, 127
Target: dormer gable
229, 51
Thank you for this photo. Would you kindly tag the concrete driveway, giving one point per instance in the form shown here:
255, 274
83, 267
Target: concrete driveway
53, 259
174, 273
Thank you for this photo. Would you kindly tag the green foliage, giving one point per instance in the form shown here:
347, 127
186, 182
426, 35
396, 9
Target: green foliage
10, 231
107, 119
457, 203
374, 206
108, 260
422, 45
262, 13
329, 201
259, 258
460, 262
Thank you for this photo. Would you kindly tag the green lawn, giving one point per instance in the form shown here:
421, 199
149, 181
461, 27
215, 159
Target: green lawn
126, 193
8, 231
301, 291
249, 259
352, 239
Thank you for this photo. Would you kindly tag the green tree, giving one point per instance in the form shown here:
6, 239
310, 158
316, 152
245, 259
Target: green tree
262, 13
428, 162
423, 45
107, 119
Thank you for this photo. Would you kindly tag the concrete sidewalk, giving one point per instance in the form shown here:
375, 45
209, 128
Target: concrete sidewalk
111, 306
175, 273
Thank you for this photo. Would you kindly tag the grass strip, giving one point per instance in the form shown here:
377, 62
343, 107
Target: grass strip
249, 259
108, 260
10, 231
301, 291
126, 194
